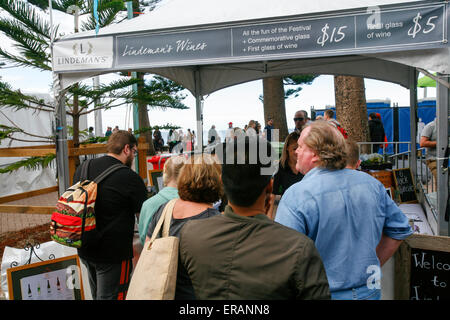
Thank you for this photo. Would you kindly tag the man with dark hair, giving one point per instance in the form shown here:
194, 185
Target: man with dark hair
300, 119
347, 213
119, 198
376, 131
268, 129
232, 256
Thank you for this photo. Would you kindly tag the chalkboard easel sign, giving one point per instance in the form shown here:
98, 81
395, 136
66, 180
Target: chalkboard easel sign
422, 268
156, 179
404, 184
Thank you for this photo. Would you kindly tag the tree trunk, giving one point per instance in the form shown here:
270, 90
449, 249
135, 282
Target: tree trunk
144, 121
274, 106
351, 108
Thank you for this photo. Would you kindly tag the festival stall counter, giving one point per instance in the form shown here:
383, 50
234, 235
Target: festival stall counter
213, 45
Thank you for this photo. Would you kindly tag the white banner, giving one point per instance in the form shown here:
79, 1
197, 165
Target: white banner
93, 53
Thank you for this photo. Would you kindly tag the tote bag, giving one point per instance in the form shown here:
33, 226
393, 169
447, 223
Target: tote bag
155, 275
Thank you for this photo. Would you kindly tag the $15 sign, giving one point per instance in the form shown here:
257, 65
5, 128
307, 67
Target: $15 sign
337, 35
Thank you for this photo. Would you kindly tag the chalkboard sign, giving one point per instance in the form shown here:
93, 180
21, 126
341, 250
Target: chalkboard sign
422, 268
430, 275
156, 179
404, 185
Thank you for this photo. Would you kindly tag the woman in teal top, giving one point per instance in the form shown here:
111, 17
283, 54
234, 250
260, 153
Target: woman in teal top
172, 168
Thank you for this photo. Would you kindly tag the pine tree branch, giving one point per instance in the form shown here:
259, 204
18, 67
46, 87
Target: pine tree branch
32, 163
19, 129
27, 15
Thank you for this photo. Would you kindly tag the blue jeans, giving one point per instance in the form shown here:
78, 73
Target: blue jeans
361, 293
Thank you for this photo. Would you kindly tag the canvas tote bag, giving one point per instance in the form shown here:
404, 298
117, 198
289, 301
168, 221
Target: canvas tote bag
155, 275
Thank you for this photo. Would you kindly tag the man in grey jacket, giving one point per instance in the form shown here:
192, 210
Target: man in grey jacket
242, 254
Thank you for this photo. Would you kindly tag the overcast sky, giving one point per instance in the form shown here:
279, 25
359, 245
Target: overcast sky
238, 104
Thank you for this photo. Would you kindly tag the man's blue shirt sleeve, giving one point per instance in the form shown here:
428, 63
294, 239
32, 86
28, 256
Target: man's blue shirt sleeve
288, 213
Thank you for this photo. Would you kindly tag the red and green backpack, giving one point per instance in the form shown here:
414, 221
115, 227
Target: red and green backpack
73, 222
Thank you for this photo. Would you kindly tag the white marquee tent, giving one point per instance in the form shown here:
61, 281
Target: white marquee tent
207, 45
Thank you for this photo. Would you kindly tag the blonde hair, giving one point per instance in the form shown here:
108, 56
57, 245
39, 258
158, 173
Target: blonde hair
172, 168
200, 179
328, 143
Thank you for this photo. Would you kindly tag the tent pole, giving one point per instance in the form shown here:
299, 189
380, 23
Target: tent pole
442, 116
133, 75
413, 118
97, 113
62, 151
198, 111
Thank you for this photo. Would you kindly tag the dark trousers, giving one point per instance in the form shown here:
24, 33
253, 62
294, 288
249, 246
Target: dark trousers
109, 281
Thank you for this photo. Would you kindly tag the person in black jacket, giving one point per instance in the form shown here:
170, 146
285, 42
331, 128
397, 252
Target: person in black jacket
119, 198
376, 130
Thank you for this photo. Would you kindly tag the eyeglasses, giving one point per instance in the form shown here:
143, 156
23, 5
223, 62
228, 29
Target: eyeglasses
299, 119
134, 150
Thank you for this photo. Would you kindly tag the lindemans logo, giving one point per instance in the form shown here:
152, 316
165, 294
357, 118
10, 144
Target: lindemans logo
82, 48
82, 54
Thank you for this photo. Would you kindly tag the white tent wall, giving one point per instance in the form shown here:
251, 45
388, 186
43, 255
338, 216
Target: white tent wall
40, 123
394, 60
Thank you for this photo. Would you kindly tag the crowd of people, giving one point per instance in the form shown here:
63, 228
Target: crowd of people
312, 227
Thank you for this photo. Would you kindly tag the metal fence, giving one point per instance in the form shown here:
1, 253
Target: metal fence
423, 178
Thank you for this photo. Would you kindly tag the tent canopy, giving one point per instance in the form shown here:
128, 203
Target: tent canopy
208, 45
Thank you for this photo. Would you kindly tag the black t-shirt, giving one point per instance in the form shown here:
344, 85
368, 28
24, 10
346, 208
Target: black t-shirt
285, 178
121, 193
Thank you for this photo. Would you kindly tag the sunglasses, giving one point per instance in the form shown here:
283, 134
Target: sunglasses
299, 119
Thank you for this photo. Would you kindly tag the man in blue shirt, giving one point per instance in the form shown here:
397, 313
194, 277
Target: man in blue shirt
355, 225
268, 129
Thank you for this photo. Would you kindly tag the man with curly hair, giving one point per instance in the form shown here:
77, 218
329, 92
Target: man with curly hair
354, 224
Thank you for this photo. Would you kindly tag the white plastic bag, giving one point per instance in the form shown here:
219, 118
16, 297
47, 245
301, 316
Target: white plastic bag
20, 257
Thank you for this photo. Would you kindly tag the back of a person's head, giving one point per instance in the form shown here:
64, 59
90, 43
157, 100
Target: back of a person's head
247, 169
352, 151
118, 140
329, 113
373, 115
199, 179
328, 143
172, 169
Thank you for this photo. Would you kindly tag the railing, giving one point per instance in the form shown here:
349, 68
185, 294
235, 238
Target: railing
424, 180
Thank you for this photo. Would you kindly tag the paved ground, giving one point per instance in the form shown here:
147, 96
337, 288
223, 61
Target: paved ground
19, 221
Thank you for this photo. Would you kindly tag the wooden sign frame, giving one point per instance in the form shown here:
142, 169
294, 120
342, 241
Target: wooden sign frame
402, 274
153, 178
39, 272
389, 192
413, 184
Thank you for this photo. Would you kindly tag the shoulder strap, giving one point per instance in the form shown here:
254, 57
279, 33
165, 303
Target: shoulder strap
166, 217
84, 170
108, 171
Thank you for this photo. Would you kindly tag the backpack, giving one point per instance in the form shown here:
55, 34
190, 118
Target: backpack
73, 222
